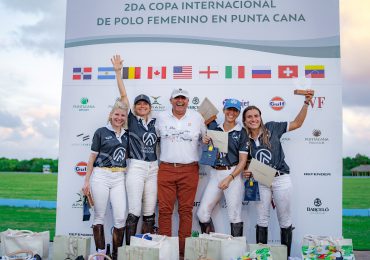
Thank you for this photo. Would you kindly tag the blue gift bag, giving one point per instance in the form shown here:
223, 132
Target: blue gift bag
252, 192
209, 154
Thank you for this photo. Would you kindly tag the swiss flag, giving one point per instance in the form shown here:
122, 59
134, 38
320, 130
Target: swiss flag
157, 72
288, 71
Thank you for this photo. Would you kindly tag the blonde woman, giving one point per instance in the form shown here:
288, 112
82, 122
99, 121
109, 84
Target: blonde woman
105, 176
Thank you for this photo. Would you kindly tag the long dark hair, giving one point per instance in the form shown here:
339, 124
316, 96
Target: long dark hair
265, 132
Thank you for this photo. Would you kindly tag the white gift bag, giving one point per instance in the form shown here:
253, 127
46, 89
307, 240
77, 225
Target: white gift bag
137, 253
70, 246
198, 247
20, 240
231, 247
168, 246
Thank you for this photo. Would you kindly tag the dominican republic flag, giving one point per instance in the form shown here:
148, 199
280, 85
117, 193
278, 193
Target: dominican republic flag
106, 73
287, 72
131, 73
237, 72
261, 72
314, 71
182, 72
82, 73
157, 72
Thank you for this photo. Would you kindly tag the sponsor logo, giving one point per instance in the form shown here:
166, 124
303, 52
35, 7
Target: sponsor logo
317, 137
84, 105
149, 139
264, 156
319, 174
196, 204
119, 154
82, 139
318, 207
277, 103
194, 103
80, 234
317, 102
156, 105
284, 140
81, 168
78, 204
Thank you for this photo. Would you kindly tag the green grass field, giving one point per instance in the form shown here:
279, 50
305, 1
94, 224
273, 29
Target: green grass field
356, 194
33, 186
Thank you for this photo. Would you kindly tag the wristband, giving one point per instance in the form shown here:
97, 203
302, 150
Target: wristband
232, 176
306, 102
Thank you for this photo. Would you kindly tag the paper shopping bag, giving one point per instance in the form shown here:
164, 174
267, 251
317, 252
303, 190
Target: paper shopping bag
138, 253
70, 246
168, 246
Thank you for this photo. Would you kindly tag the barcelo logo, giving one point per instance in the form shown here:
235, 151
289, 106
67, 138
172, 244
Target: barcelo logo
277, 103
81, 168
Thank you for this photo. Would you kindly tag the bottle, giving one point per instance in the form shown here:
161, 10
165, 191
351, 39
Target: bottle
108, 251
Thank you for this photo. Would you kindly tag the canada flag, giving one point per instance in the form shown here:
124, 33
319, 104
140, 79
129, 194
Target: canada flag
157, 72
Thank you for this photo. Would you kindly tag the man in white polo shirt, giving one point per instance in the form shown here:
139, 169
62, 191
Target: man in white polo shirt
180, 131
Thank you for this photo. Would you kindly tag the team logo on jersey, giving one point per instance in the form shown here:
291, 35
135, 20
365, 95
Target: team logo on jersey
235, 136
119, 154
149, 139
264, 156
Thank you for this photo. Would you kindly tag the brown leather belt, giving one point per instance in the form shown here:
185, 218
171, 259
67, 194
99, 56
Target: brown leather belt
180, 164
219, 167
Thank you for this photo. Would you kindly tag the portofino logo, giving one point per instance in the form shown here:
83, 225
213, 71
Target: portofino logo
317, 137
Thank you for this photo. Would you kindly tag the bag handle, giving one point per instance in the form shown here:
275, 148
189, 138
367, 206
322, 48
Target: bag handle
23, 251
99, 254
20, 233
220, 235
317, 239
159, 241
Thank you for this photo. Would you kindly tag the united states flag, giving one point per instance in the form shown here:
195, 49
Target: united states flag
182, 72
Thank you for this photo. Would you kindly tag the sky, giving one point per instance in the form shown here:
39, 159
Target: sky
31, 66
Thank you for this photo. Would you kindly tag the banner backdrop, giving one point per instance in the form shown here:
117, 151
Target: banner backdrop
255, 51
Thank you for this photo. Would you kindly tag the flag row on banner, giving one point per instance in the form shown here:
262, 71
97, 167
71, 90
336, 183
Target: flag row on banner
206, 72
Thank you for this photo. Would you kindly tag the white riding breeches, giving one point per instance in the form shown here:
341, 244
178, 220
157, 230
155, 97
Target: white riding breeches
141, 185
212, 195
109, 186
281, 192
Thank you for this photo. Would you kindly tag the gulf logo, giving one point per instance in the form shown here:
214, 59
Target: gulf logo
81, 168
277, 103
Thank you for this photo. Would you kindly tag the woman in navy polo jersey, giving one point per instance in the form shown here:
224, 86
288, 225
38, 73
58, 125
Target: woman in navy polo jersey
266, 147
105, 176
225, 177
141, 181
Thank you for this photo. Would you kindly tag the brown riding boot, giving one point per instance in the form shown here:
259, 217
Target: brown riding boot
148, 224
98, 231
117, 241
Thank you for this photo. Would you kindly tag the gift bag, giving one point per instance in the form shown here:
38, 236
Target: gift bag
25, 240
21, 255
137, 253
209, 154
325, 247
278, 252
85, 209
197, 248
70, 246
230, 247
168, 246
258, 254
251, 190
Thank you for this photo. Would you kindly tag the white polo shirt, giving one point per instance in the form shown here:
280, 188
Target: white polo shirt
180, 138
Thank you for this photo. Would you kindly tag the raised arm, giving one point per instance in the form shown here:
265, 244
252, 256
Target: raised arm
117, 63
298, 121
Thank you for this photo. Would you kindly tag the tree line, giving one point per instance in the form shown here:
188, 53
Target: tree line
350, 163
36, 164
33, 165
